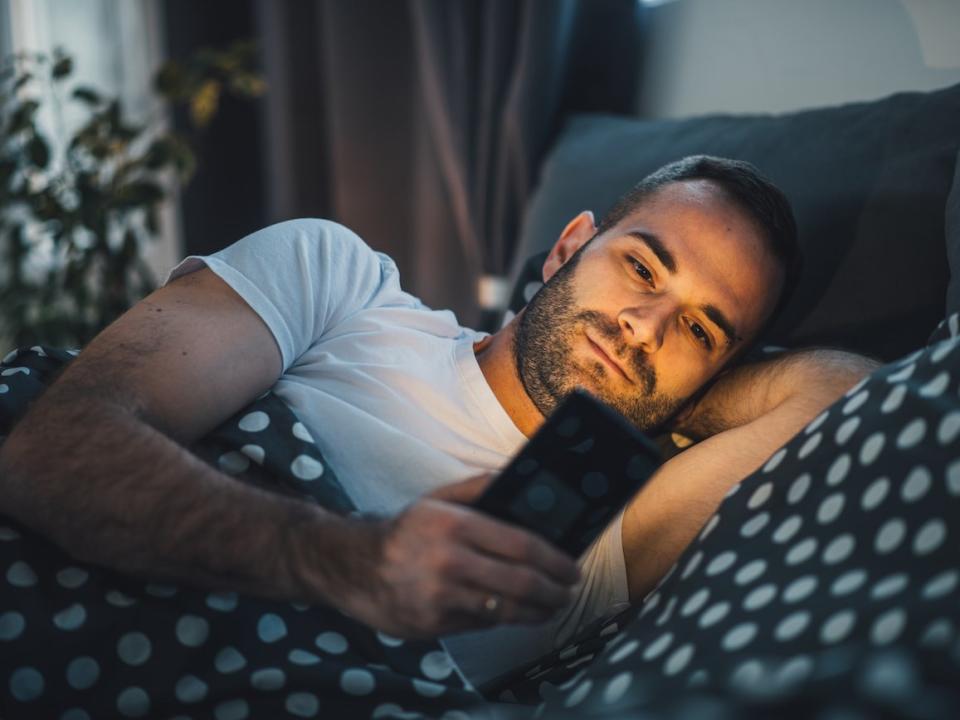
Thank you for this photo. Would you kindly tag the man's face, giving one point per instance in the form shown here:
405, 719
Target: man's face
643, 315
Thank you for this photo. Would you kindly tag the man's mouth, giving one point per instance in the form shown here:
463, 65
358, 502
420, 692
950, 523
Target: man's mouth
608, 360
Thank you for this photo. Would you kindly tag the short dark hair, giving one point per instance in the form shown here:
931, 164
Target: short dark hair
762, 201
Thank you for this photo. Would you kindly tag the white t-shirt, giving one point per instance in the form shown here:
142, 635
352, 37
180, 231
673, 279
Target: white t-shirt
392, 393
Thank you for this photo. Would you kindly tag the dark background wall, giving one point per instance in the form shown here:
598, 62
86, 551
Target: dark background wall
226, 198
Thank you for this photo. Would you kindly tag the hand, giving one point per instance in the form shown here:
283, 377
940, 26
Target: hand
430, 570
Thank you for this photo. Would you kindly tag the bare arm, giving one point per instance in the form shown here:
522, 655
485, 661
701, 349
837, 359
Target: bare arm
98, 465
749, 413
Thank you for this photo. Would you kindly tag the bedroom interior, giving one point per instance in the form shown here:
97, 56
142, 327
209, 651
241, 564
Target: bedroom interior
459, 138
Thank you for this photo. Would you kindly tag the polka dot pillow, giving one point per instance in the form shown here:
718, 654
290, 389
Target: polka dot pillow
828, 579
264, 444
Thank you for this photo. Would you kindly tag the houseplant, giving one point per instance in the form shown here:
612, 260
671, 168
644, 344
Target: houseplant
78, 206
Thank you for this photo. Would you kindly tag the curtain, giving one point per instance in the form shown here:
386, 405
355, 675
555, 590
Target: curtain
422, 124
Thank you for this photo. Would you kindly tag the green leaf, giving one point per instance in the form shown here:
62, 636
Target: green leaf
90, 137
129, 249
112, 115
204, 103
126, 133
137, 194
171, 81
90, 140
91, 202
248, 85
45, 206
126, 169
22, 80
152, 220
62, 68
147, 282
162, 152
22, 117
184, 160
38, 152
87, 95
115, 125
18, 245
7, 169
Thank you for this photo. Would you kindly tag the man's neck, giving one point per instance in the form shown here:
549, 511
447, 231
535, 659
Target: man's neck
495, 357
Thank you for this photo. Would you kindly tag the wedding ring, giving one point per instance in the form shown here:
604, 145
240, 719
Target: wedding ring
492, 603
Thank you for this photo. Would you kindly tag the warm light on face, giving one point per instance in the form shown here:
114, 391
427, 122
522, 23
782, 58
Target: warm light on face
646, 313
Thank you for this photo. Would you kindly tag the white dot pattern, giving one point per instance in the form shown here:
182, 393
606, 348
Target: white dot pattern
843, 538
679, 659
912, 433
839, 551
846, 430
792, 625
798, 489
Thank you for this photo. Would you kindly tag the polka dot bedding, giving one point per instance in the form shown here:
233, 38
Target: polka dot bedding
826, 585
79, 641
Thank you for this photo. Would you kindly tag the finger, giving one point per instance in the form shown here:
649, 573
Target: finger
524, 585
495, 537
463, 492
472, 609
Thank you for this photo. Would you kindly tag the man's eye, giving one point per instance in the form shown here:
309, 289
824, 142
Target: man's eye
701, 335
642, 270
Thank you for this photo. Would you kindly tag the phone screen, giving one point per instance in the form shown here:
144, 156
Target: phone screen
574, 475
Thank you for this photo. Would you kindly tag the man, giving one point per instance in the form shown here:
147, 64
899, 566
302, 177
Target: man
678, 280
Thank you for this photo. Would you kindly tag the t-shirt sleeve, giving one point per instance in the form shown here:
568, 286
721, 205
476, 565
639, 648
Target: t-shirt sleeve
302, 277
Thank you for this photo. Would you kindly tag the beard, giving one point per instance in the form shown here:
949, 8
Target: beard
543, 350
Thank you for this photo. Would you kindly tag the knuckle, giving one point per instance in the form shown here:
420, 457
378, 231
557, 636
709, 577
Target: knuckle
436, 596
528, 583
457, 524
527, 546
390, 553
443, 524
444, 562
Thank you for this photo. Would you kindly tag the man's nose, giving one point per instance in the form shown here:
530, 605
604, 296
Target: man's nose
645, 326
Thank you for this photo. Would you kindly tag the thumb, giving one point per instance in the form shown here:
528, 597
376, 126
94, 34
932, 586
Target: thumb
465, 491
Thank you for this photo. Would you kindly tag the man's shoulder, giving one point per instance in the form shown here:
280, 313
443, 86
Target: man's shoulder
311, 230
320, 245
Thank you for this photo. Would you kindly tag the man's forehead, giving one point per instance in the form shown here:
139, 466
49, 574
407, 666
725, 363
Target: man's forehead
698, 234
686, 197
696, 218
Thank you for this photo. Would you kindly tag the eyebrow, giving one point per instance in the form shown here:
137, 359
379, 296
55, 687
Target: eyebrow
665, 257
720, 320
669, 261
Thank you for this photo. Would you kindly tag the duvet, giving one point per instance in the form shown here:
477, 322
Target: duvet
827, 584
80, 642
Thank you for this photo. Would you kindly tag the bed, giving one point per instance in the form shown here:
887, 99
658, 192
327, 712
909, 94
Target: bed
827, 583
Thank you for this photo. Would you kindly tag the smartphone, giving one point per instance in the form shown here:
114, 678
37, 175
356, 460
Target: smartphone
574, 475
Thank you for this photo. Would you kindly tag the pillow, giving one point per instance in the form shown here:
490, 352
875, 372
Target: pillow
826, 584
81, 641
868, 182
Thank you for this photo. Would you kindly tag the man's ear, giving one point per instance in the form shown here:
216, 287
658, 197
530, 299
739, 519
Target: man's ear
577, 232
